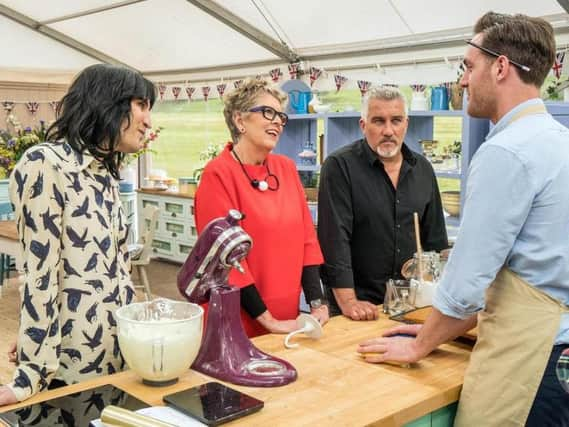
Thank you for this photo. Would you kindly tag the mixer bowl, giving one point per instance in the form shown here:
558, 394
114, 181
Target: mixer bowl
160, 339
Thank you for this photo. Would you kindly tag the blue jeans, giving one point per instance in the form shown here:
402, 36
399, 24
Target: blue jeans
551, 404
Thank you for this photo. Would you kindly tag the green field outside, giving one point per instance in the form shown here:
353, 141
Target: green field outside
190, 126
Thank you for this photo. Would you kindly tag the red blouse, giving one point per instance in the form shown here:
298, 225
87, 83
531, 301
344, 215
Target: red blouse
279, 222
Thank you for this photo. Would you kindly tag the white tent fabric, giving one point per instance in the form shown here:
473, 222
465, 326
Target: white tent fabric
389, 41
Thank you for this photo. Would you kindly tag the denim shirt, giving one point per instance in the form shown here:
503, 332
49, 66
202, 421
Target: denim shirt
516, 214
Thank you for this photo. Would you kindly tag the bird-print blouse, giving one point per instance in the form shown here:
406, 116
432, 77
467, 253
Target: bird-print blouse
73, 234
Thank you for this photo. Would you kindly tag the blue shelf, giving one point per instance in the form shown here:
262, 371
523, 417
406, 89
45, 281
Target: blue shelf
304, 116
308, 168
448, 174
436, 113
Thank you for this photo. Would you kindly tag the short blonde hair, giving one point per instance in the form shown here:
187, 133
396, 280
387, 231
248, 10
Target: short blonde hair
244, 97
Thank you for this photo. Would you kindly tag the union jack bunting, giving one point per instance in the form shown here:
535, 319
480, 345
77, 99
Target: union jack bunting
190, 91
161, 91
314, 74
205, 92
418, 88
364, 86
237, 84
275, 74
340, 80
221, 89
293, 70
558, 64
176, 91
8, 106
32, 107
54, 105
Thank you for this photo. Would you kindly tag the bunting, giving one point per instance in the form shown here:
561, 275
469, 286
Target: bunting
8, 106
221, 89
364, 86
275, 74
205, 92
54, 105
339, 80
32, 107
190, 91
419, 88
315, 73
293, 70
161, 91
237, 84
176, 91
558, 64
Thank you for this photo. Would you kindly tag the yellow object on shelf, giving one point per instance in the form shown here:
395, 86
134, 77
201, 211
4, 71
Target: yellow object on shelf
451, 202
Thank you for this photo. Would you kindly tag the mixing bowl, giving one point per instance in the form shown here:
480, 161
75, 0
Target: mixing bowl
160, 339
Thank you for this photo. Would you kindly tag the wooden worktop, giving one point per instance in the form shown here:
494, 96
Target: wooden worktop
165, 193
9, 230
334, 386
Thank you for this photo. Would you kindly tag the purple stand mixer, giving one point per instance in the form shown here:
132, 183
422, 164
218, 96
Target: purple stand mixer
226, 352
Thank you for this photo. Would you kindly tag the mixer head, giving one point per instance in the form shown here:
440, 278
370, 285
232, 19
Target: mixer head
220, 247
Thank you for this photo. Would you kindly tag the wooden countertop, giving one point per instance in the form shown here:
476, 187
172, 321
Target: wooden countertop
9, 230
164, 193
334, 386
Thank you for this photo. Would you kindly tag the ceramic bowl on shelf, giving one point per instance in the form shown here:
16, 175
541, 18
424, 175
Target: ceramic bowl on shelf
451, 202
322, 108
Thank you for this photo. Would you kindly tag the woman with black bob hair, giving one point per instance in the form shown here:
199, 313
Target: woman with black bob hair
98, 104
72, 231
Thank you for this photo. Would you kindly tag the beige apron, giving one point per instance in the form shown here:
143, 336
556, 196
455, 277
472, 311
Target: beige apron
516, 334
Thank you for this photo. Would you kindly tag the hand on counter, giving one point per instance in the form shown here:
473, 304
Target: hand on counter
7, 396
352, 307
277, 326
321, 314
397, 344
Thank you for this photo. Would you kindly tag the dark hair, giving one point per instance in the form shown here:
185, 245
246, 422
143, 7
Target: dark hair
91, 113
524, 39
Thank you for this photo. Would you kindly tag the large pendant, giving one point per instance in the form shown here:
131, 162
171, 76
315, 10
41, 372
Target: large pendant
263, 186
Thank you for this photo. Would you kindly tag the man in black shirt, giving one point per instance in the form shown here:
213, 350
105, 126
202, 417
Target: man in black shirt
368, 192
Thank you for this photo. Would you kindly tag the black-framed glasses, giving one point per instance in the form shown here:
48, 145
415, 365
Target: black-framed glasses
497, 55
270, 113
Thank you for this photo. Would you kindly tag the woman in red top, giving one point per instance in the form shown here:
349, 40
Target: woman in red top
266, 188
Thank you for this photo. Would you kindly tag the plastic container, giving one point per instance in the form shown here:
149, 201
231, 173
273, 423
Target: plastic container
160, 339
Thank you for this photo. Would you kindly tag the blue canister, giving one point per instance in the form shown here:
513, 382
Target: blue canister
298, 101
439, 98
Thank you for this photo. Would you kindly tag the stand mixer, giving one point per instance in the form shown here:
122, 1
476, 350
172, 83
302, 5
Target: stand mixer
226, 352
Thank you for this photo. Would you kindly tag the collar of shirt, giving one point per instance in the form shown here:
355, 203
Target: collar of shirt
372, 157
506, 119
70, 160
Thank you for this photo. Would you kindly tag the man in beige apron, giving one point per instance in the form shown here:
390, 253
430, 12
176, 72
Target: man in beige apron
509, 268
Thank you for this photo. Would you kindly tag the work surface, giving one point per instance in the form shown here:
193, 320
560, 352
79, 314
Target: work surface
334, 386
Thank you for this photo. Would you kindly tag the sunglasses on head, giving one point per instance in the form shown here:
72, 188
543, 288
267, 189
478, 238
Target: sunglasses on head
270, 113
497, 55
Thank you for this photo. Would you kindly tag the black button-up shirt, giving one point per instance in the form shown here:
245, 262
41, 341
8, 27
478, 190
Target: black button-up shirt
365, 225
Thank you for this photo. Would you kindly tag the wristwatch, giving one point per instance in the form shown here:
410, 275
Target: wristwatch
317, 303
